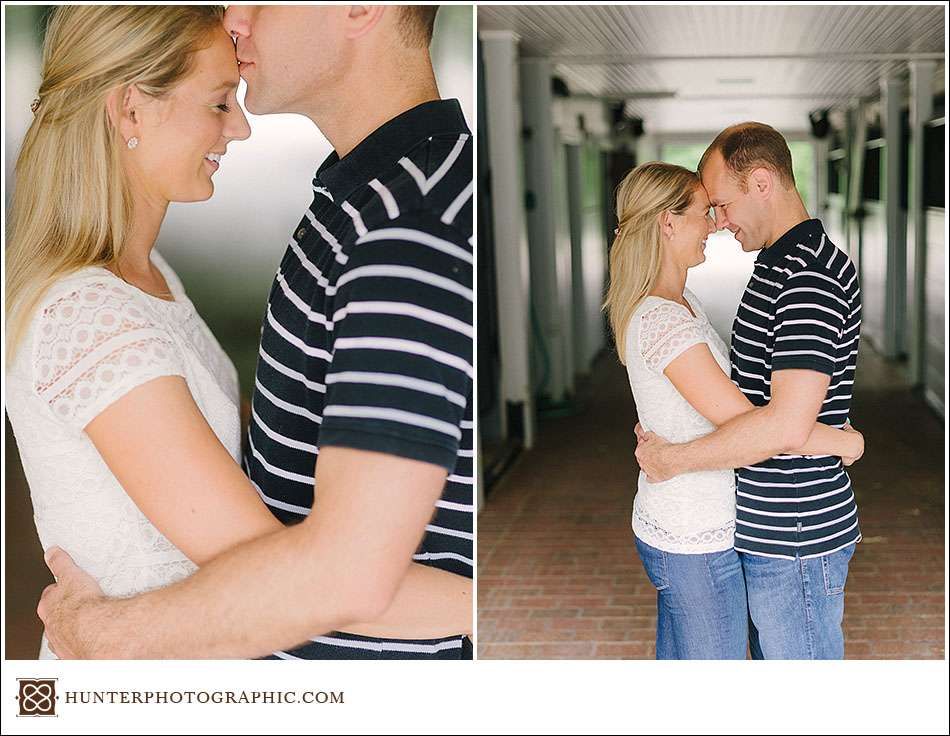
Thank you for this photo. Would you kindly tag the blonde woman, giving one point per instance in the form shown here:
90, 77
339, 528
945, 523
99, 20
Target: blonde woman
679, 374
136, 110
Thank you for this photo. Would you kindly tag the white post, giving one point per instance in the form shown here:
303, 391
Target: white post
648, 148
500, 62
857, 138
892, 94
921, 110
818, 205
575, 180
544, 172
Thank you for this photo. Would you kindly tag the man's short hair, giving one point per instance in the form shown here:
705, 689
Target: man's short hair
416, 23
748, 146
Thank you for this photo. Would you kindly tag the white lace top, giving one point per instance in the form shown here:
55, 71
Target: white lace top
693, 513
92, 339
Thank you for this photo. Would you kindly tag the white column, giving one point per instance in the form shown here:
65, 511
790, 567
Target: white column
500, 62
548, 243
857, 138
575, 180
819, 189
892, 95
921, 110
648, 148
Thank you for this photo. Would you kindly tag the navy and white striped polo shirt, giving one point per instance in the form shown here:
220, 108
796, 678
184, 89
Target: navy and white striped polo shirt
801, 309
368, 340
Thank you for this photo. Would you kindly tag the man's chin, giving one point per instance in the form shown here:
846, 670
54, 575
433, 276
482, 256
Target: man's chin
253, 104
250, 105
747, 246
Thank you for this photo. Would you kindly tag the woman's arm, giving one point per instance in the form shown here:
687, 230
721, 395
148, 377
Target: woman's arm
698, 378
160, 448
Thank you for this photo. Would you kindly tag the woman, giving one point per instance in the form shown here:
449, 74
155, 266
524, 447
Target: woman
684, 526
136, 109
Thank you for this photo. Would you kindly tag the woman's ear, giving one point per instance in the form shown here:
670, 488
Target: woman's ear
666, 224
120, 106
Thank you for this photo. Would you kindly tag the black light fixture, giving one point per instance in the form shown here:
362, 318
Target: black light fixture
616, 113
635, 126
820, 126
559, 87
624, 124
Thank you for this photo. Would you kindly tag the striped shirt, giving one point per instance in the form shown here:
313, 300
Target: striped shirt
801, 309
367, 341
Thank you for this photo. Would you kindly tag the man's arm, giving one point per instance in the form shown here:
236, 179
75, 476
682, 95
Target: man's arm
810, 313
344, 563
783, 425
698, 378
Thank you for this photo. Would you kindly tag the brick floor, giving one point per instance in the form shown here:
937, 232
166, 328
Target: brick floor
559, 577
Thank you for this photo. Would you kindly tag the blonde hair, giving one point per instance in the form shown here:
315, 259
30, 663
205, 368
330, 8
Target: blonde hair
645, 193
71, 204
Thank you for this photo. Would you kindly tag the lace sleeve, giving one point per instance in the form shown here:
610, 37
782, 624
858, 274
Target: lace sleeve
93, 346
665, 332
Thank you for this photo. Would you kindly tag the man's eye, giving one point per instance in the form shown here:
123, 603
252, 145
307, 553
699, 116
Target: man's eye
224, 107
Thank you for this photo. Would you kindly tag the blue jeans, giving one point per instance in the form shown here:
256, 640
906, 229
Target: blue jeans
796, 606
700, 604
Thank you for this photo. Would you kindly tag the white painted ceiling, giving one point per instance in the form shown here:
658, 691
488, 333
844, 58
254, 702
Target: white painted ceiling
724, 63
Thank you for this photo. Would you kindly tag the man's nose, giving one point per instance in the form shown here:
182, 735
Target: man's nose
722, 222
236, 21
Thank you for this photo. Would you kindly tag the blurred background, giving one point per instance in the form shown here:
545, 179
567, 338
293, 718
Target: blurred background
570, 98
225, 250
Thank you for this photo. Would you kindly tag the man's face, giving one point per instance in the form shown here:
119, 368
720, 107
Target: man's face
741, 212
287, 53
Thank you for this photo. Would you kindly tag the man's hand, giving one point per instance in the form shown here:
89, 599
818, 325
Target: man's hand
852, 458
69, 608
655, 456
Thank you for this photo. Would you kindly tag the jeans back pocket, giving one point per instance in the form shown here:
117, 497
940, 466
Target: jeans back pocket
834, 568
654, 562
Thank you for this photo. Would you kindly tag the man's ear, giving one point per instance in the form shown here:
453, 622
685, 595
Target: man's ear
120, 106
762, 182
362, 19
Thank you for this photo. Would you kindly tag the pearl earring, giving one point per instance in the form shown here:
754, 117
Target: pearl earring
133, 142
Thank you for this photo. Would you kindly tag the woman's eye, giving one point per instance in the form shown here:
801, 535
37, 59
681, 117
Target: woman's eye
224, 107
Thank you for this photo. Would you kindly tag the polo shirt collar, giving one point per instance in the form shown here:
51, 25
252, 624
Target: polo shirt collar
809, 231
387, 144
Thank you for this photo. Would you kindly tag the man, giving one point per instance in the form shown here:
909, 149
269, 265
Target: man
365, 358
794, 349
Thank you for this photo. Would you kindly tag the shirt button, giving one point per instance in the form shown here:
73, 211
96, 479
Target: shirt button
301, 232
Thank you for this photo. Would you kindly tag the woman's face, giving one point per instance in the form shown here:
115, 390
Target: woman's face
688, 231
179, 132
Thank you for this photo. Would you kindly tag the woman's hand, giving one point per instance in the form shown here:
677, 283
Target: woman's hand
858, 442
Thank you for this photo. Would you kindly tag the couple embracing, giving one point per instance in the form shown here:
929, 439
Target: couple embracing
744, 518
350, 534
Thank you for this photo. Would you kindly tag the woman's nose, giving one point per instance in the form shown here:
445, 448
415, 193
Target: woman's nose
237, 127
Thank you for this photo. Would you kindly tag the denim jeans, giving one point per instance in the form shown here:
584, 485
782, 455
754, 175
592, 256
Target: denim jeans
796, 606
700, 604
